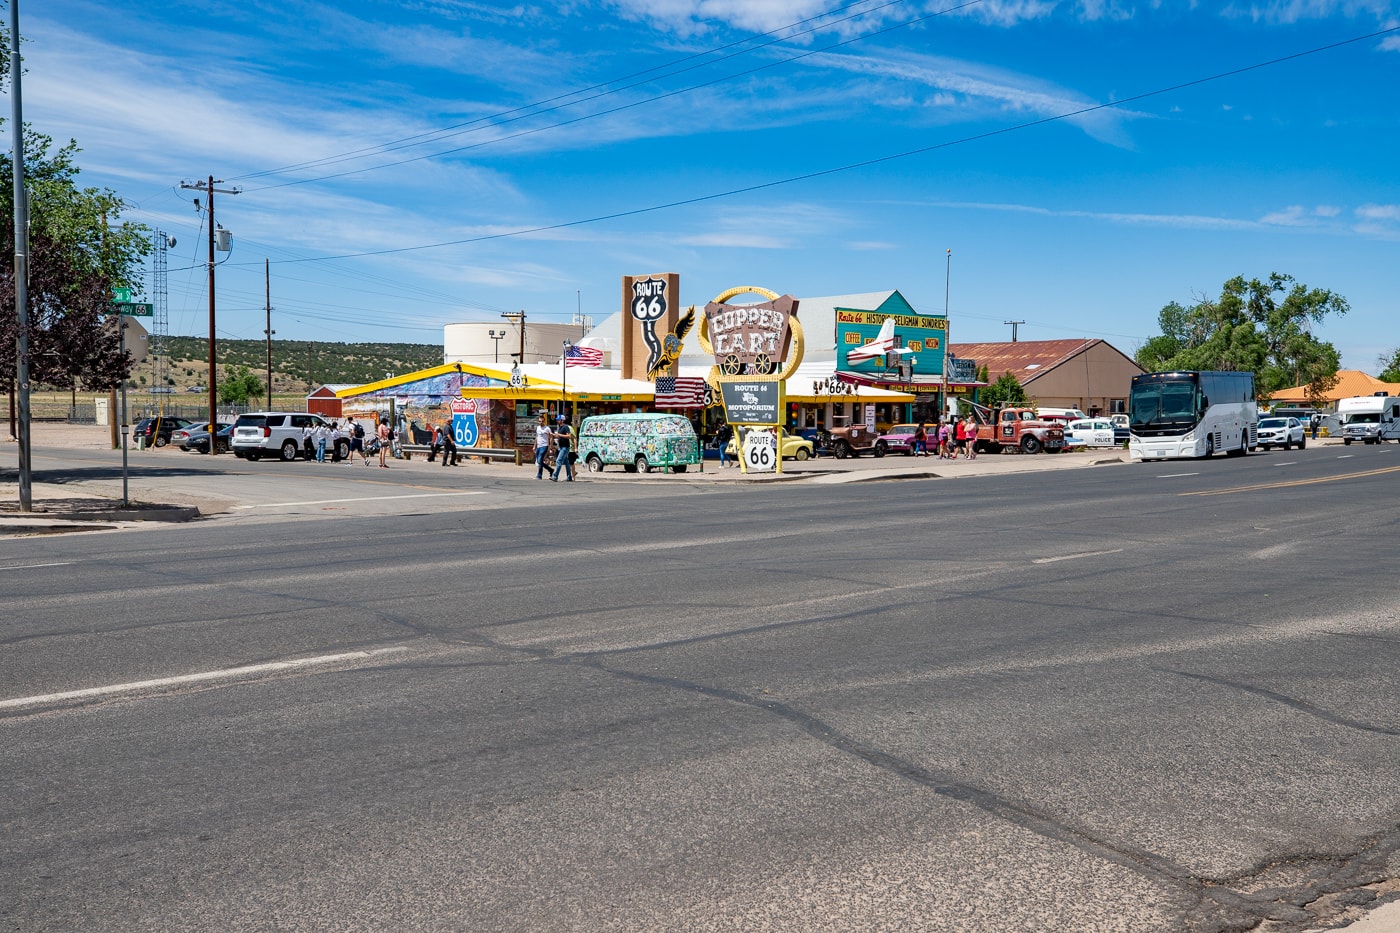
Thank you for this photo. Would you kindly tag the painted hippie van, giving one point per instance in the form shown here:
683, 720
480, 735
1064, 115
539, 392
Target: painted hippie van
639, 441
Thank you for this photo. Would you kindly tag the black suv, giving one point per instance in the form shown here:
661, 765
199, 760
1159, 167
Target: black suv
157, 431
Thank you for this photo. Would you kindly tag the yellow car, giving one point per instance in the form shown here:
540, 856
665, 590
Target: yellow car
794, 447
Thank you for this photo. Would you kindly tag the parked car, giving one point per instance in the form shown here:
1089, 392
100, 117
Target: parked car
794, 447
1282, 432
855, 439
899, 439
156, 431
196, 437
1090, 432
282, 434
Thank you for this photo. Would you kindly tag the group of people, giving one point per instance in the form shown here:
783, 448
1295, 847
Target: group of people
560, 437
950, 440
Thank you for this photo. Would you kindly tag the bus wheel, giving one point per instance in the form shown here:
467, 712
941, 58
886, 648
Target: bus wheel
1210, 446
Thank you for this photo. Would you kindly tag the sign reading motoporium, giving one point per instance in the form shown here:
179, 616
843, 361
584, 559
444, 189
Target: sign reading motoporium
752, 401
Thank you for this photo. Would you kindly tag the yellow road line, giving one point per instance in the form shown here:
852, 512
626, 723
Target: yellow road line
1296, 482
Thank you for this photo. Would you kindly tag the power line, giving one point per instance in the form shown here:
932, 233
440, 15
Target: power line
630, 106
699, 199
517, 113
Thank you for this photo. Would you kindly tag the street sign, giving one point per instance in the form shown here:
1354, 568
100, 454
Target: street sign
121, 293
760, 452
464, 422
135, 308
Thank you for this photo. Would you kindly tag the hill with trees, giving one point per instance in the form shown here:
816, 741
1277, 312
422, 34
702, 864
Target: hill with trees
297, 365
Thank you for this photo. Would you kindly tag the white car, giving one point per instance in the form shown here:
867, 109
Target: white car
1282, 432
1090, 432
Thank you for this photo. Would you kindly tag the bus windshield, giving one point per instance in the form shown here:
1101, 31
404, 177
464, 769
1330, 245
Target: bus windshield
1163, 405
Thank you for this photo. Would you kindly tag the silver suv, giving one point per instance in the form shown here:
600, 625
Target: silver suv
282, 434
1282, 432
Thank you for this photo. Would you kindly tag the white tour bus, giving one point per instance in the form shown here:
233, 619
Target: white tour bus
1192, 414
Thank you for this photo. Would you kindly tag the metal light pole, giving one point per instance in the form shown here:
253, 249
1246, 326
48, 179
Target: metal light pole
26, 501
947, 347
564, 365
497, 336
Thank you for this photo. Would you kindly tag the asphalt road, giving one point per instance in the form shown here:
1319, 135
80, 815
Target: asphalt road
1146, 697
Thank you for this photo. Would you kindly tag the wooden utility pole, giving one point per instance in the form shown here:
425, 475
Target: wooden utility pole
267, 283
517, 318
209, 189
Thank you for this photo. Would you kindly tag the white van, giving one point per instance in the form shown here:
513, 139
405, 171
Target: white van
1371, 419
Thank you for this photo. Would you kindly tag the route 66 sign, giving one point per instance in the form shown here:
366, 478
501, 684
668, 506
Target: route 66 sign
760, 452
464, 422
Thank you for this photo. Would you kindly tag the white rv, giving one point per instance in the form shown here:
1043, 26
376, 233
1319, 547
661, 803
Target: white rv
1371, 419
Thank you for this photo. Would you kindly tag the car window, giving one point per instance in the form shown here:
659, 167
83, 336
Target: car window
1272, 423
250, 421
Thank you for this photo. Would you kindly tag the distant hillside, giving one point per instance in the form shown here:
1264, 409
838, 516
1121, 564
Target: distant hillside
296, 364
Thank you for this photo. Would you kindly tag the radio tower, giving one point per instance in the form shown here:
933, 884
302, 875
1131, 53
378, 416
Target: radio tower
160, 313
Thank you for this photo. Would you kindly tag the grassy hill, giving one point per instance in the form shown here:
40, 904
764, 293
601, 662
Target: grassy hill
296, 364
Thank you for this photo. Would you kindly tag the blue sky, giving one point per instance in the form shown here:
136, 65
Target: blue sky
1081, 226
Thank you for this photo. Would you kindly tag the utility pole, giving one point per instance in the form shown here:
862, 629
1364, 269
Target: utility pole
308, 367
209, 189
1013, 328
517, 317
267, 283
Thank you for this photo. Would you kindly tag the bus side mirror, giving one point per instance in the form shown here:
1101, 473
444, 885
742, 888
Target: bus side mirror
1204, 403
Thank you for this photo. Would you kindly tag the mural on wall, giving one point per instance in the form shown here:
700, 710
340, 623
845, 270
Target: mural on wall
923, 335
423, 404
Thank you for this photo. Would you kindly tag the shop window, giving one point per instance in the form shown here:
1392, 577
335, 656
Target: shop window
1117, 406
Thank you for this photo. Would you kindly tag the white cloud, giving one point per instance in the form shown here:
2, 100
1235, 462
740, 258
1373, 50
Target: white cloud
1379, 212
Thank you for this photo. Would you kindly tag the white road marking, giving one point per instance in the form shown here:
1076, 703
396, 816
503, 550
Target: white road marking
1051, 560
227, 673
1175, 475
419, 495
60, 563
1286, 463
1346, 456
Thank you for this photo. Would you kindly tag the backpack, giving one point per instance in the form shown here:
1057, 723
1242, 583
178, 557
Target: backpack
359, 430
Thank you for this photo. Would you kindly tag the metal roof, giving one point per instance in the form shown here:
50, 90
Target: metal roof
1024, 359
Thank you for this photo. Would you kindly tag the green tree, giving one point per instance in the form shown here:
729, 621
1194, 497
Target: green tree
1390, 366
1007, 390
1260, 326
239, 387
79, 250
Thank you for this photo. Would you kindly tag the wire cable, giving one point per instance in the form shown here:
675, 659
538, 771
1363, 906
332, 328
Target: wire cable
808, 176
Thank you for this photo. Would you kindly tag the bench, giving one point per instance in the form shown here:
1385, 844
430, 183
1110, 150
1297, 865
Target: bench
485, 453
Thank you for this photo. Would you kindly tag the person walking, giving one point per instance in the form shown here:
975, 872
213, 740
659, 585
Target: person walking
563, 440
970, 431
1316, 420
449, 446
722, 439
921, 440
959, 438
436, 444
942, 439
543, 438
357, 438
384, 435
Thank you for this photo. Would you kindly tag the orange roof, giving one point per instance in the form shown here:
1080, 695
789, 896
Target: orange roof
1024, 359
1350, 382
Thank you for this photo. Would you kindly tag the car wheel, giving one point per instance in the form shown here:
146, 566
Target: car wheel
1287, 443
253, 455
342, 450
802, 453
1030, 444
1267, 446
843, 450
881, 448
595, 463
1346, 442
289, 450
161, 441
1303, 443
642, 465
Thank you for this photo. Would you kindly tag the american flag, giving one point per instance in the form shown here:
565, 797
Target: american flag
680, 392
583, 356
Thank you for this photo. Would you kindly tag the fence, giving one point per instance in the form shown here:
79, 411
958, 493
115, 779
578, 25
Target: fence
84, 410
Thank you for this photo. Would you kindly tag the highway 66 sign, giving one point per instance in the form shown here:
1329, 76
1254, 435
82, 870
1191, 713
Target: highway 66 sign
760, 452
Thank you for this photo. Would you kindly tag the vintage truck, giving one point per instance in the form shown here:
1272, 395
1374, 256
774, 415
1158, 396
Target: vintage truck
853, 440
1018, 428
